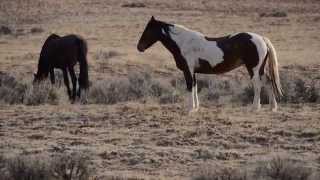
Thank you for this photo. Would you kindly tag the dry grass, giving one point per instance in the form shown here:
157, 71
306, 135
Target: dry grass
298, 88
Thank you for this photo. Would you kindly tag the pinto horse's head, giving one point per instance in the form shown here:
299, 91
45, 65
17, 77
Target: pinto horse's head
151, 34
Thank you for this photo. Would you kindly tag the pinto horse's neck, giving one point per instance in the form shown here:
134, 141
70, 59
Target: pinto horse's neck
172, 46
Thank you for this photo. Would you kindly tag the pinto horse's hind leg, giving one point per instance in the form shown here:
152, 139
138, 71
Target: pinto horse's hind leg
257, 84
272, 99
195, 92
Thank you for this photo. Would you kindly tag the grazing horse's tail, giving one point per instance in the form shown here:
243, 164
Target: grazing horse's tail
273, 68
83, 76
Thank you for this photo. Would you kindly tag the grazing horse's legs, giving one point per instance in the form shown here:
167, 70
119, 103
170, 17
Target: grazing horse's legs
66, 81
52, 77
74, 82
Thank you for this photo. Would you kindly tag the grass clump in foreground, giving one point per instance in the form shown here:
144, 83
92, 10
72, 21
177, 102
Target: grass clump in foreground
73, 166
275, 169
138, 86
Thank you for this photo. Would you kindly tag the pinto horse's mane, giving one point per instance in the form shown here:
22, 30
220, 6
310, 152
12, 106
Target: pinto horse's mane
177, 29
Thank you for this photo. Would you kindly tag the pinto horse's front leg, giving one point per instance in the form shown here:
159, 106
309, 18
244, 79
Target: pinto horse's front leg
191, 84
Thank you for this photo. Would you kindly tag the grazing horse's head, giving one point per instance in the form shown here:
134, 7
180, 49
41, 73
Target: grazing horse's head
151, 34
38, 76
43, 65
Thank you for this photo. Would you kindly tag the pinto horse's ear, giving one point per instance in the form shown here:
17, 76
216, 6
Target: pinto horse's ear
152, 18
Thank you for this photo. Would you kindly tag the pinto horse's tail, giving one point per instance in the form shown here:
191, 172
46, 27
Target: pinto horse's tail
273, 68
83, 75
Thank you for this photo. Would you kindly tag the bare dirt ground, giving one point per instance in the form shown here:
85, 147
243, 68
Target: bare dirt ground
145, 139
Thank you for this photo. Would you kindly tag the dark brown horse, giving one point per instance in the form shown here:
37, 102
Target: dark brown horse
64, 53
196, 53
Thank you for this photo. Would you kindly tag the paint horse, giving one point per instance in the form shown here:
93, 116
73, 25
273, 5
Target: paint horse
64, 53
195, 53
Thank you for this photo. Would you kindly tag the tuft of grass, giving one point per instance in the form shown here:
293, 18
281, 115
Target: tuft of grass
5, 30
36, 30
73, 166
15, 91
105, 55
27, 168
300, 89
274, 13
284, 169
219, 173
40, 94
278, 168
133, 5
11, 90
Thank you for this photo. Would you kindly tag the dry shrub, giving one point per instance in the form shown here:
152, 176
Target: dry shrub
114, 177
136, 86
133, 5
219, 173
40, 94
73, 166
300, 89
5, 30
27, 168
11, 90
3, 172
274, 13
104, 55
36, 30
278, 168
15, 91
282, 169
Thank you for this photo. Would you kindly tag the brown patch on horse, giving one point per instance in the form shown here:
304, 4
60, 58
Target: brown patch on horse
262, 68
237, 49
223, 67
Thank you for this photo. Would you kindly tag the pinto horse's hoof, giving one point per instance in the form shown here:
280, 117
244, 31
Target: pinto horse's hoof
193, 110
274, 109
256, 108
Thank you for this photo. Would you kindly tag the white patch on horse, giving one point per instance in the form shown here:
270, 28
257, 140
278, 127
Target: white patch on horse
194, 46
261, 48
